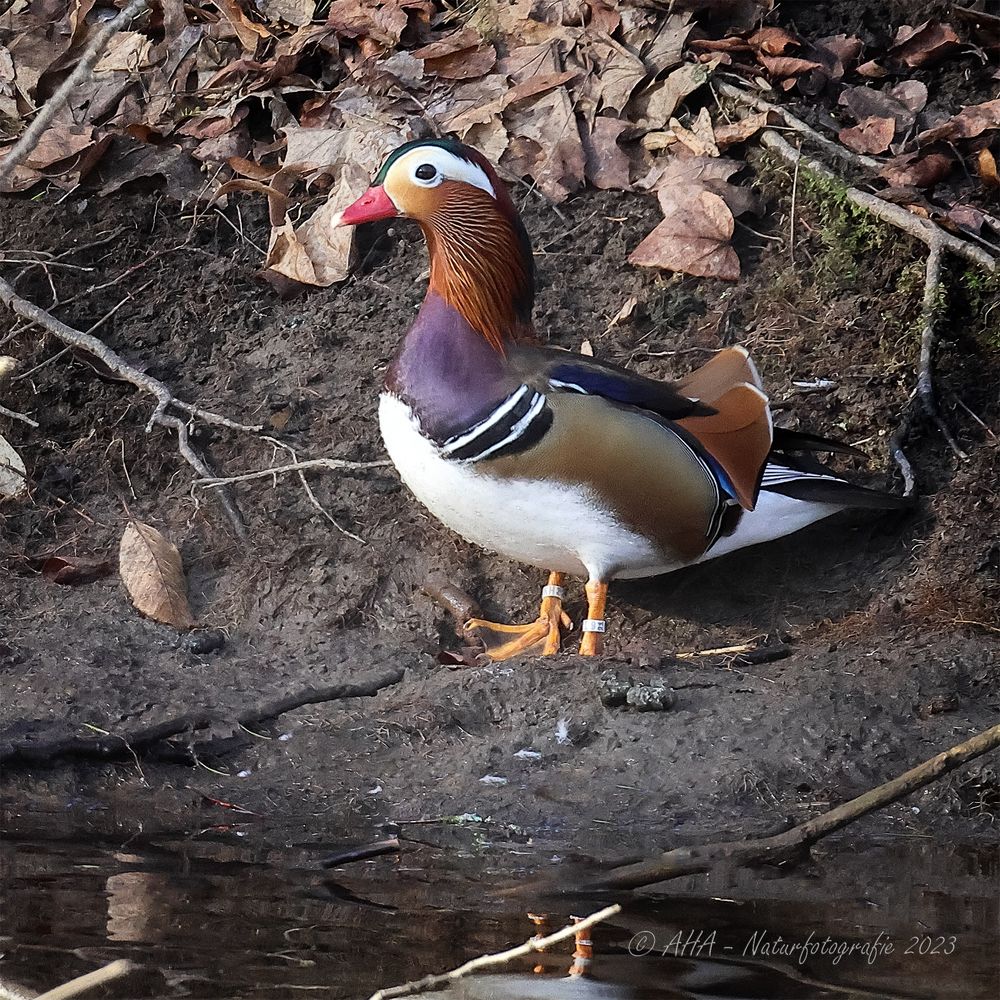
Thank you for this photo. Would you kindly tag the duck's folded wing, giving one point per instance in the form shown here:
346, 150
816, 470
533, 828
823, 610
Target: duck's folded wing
551, 369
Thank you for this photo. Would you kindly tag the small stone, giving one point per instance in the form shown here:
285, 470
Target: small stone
210, 641
613, 690
651, 698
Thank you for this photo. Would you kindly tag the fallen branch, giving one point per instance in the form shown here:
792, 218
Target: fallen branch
125, 747
105, 974
165, 399
937, 241
750, 100
921, 229
535, 944
771, 850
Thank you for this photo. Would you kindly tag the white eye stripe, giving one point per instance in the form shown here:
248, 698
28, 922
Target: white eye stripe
447, 167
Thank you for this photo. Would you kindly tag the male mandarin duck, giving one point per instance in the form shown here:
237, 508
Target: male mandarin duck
559, 460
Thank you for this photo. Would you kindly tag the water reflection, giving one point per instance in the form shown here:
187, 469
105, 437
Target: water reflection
212, 919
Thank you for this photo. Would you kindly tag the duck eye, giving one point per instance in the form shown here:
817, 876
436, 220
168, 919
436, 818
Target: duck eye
426, 172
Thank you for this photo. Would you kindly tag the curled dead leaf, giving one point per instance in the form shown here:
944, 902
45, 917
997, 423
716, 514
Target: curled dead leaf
923, 45
986, 163
153, 575
914, 170
74, 570
967, 124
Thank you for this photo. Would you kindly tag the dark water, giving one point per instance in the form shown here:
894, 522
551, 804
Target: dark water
212, 916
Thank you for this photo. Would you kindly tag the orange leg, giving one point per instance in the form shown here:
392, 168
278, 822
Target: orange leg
583, 953
592, 643
542, 636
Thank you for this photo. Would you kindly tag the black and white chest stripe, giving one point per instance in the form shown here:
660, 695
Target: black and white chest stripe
516, 424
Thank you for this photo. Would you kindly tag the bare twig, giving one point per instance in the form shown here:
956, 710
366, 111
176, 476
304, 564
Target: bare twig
759, 104
771, 850
331, 464
311, 495
91, 54
164, 397
14, 415
929, 314
113, 970
895, 215
535, 944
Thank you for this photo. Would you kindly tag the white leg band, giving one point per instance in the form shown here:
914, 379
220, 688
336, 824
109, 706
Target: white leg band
592, 625
552, 591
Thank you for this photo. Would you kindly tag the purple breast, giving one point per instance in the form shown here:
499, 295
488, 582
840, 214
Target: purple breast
447, 372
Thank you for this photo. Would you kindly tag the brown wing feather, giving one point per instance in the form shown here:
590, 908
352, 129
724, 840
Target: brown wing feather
716, 377
738, 436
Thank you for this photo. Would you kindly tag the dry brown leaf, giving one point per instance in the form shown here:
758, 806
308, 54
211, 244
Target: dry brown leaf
248, 32
12, 472
914, 170
923, 45
912, 94
661, 45
872, 135
986, 163
774, 41
297, 12
73, 570
317, 253
153, 575
607, 164
786, 66
128, 50
967, 124
867, 102
700, 138
383, 22
664, 99
536, 85
692, 239
462, 55
618, 73
872, 70
730, 135
545, 144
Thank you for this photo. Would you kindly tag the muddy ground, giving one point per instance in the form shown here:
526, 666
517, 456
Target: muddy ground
890, 623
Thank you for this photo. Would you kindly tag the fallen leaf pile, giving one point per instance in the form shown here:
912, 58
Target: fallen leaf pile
301, 101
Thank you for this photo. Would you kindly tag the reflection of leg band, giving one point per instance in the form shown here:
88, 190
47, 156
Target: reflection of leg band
592, 625
550, 591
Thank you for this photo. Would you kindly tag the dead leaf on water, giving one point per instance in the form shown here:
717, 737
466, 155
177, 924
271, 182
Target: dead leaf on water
153, 575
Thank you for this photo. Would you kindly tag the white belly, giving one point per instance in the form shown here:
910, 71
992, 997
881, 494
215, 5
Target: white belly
552, 526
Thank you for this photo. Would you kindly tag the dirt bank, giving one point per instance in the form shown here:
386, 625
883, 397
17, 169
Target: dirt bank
885, 663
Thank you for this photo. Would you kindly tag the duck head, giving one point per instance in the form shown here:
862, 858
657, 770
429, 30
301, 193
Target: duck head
481, 261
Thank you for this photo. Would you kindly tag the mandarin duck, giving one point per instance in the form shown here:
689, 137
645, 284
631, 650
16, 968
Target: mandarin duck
559, 460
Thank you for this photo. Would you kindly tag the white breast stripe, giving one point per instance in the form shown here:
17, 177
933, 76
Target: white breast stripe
455, 443
517, 430
572, 386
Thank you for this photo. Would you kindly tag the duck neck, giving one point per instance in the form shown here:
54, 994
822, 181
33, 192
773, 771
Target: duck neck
482, 266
